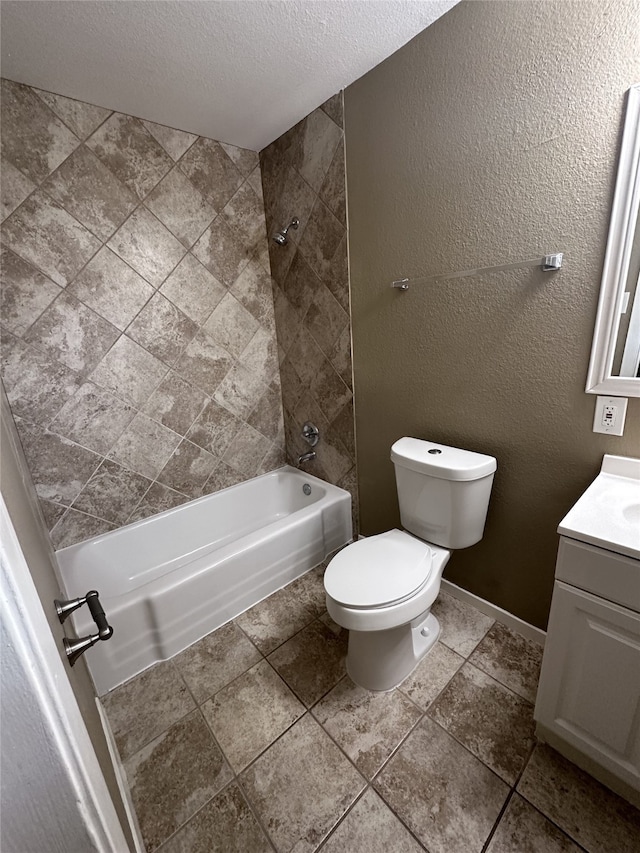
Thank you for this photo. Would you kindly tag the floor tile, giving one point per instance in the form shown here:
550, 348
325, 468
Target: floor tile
371, 827
225, 825
511, 659
462, 626
301, 786
247, 715
146, 706
173, 776
493, 723
312, 662
274, 620
309, 589
368, 726
522, 829
448, 798
431, 675
217, 659
591, 814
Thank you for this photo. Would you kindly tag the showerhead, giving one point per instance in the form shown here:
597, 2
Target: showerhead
280, 237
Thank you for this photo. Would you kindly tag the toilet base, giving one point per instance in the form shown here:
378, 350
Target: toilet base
381, 660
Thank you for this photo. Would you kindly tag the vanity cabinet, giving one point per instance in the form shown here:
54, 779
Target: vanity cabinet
588, 703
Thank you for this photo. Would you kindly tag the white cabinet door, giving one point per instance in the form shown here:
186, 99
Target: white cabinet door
589, 693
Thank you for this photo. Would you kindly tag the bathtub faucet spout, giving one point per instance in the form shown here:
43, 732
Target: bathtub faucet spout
307, 457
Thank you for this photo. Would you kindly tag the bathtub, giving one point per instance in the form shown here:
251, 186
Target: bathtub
169, 580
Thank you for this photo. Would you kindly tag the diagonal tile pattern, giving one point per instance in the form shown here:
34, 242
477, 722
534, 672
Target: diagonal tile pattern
445, 762
303, 176
136, 287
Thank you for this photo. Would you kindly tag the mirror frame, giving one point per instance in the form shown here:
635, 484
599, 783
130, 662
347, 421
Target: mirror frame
624, 213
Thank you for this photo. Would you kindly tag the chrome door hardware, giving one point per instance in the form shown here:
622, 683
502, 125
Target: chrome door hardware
311, 434
74, 648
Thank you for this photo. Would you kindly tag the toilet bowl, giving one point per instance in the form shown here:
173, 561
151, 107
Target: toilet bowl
382, 588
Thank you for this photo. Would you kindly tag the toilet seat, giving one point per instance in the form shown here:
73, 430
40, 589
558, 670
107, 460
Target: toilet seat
380, 571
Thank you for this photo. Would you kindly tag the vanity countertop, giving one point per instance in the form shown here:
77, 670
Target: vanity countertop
608, 513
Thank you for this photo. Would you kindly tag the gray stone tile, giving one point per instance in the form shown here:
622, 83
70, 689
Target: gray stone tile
127, 148
162, 329
175, 403
180, 206
309, 590
52, 512
214, 429
146, 706
304, 354
332, 395
43, 233
158, 499
448, 798
111, 288
25, 293
72, 334
247, 715
112, 493
81, 117
524, 830
511, 659
240, 391
217, 659
340, 357
245, 160
76, 527
93, 418
193, 289
15, 187
129, 371
212, 170
223, 477
188, 469
301, 787
288, 320
368, 726
332, 191
592, 815
146, 245
145, 446
175, 142
272, 621
325, 319
322, 238
91, 193
275, 458
36, 386
333, 108
321, 137
462, 626
335, 274
223, 251
372, 827
33, 138
255, 177
491, 721
204, 363
253, 289
246, 451
312, 661
266, 417
173, 776
244, 212
432, 675
231, 325
260, 356
301, 284
296, 198
225, 825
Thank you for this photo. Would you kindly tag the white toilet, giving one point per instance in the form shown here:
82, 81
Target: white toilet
382, 588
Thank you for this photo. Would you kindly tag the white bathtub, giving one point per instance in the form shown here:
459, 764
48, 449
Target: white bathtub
166, 581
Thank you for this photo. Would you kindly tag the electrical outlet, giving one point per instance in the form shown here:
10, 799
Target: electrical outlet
610, 415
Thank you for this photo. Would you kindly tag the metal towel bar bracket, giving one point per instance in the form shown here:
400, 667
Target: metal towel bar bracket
75, 648
548, 263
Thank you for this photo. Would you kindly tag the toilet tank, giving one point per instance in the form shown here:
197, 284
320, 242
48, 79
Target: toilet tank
443, 491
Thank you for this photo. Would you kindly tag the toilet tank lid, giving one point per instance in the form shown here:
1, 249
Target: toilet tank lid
439, 460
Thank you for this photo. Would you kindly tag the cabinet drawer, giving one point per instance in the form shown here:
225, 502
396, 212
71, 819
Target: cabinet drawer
614, 577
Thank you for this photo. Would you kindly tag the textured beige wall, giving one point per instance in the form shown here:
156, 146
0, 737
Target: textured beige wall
491, 137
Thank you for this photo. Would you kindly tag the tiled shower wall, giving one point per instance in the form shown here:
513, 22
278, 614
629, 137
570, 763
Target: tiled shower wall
303, 176
139, 350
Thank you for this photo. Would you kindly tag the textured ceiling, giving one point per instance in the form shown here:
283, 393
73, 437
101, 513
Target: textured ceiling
241, 71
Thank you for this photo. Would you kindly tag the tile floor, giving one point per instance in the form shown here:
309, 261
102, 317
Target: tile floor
254, 740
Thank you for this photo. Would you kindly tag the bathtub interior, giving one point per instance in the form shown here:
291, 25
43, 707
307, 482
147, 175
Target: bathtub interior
279, 533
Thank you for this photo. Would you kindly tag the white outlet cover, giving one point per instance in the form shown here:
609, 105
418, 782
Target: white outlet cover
619, 405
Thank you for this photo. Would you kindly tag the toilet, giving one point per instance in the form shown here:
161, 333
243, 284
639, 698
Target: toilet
381, 588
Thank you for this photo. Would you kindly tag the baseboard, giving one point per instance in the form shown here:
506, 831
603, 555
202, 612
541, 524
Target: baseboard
530, 632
